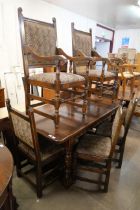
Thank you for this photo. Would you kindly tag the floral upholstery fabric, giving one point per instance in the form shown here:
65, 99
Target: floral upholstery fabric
94, 145
129, 113
22, 129
116, 123
83, 42
41, 37
65, 78
93, 73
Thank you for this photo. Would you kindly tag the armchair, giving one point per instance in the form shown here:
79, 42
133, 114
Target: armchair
38, 42
82, 46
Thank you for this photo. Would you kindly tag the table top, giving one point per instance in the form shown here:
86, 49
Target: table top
72, 124
6, 168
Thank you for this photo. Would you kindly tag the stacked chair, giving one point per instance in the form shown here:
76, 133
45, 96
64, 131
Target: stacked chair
38, 42
82, 46
94, 154
33, 153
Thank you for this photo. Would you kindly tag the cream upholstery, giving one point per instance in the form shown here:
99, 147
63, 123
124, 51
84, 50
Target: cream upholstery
50, 77
94, 145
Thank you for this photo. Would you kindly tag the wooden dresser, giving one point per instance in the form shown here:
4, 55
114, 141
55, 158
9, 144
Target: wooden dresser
2, 98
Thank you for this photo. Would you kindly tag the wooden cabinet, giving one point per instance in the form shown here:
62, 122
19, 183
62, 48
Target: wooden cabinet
2, 98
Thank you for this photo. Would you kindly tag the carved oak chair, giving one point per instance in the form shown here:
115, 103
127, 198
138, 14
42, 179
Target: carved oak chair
33, 152
82, 46
38, 42
105, 128
94, 154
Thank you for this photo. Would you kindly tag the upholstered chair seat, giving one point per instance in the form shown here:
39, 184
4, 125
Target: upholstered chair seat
94, 73
136, 73
99, 146
65, 78
127, 75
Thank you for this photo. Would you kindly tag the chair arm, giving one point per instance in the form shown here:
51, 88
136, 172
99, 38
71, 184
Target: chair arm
80, 57
55, 58
95, 54
95, 59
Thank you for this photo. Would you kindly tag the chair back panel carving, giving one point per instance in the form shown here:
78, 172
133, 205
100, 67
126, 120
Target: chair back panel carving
39, 36
22, 129
81, 41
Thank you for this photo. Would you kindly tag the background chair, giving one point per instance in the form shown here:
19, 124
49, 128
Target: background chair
94, 154
82, 46
105, 129
33, 153
38, 42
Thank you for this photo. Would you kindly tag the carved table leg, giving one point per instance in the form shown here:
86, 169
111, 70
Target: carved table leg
68, 163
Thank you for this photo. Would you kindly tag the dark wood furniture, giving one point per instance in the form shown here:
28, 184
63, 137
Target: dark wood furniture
105, 129
7, 200
82, 46
38, 42
32, 153
72, 125
2, 98
94, 154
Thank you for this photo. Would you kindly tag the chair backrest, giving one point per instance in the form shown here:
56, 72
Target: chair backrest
116, 127
40, 36
129, 114
81, 41
24, 128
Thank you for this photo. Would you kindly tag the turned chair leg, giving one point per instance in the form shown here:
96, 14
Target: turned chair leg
107, 176
121, 155
124, 86
39, 181
132, 86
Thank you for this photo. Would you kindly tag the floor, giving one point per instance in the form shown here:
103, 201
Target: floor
124, 187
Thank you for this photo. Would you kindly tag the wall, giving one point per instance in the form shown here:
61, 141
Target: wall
133, 34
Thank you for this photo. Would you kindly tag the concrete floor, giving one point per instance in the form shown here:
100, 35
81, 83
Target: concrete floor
123, 194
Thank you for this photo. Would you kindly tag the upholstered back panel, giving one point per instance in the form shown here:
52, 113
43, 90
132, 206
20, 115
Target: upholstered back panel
117, 123
81, 41
129, 113
41, 37
22, 129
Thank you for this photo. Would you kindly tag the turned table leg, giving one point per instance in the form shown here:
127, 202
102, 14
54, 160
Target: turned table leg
68, 163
